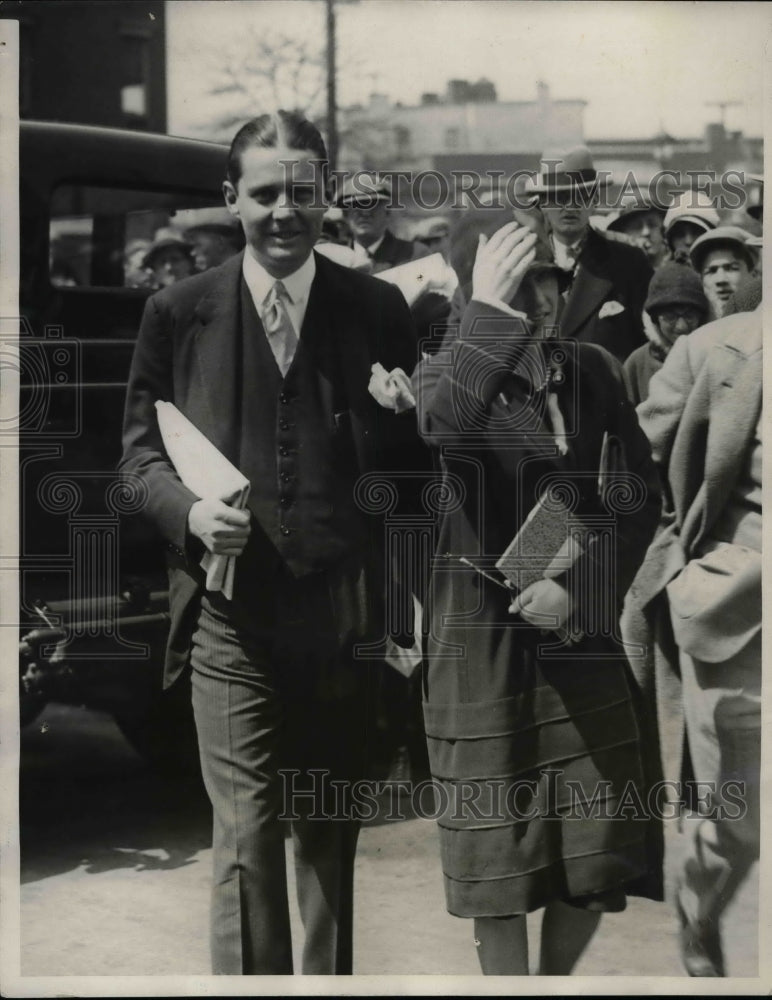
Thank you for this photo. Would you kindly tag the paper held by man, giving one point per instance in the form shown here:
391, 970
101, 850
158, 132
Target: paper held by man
208, 474
427, 274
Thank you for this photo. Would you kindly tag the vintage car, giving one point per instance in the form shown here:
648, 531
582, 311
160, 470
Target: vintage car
93, 615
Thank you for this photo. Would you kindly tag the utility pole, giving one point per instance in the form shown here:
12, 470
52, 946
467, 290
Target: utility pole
332, 103
723, 105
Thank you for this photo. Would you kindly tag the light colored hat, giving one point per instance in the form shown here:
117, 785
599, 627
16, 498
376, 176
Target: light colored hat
165, 238
564, 170
366, 187
695, 207
722, 236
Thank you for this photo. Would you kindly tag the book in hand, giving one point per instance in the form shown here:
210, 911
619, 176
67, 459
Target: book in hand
548, 542
207, 473
427, 274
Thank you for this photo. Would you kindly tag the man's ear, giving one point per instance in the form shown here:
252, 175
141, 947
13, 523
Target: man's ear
231, 197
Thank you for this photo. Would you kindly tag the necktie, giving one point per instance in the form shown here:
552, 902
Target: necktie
278, 326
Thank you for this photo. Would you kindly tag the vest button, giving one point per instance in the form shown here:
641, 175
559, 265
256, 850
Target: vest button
286, 501
284, 397
285, 425
284, 451
285, 477
285, 530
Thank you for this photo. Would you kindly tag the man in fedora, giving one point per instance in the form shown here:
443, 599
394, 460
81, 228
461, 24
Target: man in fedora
608, 280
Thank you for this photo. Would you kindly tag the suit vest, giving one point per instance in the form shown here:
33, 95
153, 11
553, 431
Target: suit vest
295, 448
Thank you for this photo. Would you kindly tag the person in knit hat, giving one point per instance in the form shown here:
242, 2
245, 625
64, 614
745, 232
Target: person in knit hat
675, 306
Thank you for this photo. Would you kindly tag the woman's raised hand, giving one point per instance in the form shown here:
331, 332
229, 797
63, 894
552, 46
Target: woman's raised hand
501, 262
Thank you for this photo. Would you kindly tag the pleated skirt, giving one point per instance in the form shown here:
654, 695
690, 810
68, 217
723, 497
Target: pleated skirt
538, 785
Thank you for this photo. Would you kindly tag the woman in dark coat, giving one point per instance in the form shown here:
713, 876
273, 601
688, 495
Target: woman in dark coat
533, 739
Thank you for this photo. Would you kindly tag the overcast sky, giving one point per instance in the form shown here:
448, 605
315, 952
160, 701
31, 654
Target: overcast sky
640, 66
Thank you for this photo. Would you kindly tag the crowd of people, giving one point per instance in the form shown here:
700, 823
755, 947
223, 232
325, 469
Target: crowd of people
589, 400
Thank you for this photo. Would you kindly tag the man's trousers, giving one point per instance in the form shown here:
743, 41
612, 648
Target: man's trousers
267, 701
722, 710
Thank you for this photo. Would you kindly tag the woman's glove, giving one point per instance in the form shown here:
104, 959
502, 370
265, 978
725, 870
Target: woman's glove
546, 598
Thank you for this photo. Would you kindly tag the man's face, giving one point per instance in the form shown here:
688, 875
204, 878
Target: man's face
171, 265
645, 231
567, 214
367, 220
722, 271
279, 200
676, 320
210, 249
682, 235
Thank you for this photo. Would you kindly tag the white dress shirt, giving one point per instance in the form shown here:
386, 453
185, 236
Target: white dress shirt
566, 255
363, 256
298, 286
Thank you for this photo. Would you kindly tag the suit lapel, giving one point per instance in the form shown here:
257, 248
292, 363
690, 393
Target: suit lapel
736, 388
591, 286
216, 338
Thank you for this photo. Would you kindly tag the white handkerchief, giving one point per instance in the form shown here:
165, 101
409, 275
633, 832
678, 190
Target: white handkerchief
610, 308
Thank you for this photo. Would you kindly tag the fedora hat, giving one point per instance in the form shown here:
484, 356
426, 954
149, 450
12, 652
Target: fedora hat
565, 170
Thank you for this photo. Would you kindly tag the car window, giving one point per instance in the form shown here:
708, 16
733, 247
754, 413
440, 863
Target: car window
107, 237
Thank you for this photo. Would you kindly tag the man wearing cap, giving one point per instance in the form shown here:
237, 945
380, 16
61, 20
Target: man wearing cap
607, 279
723, 259
675, 306
692, 215
170, 258
640, 220
364, 199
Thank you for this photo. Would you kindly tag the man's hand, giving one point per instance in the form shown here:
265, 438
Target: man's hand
544, 597
391, 390
223, 530
501, 262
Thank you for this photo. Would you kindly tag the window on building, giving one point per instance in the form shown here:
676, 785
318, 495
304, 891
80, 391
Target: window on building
452, 138
402, 140
135, 75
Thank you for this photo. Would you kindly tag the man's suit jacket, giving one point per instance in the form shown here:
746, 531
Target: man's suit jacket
393, 251
700, 417
186, 353
612, 279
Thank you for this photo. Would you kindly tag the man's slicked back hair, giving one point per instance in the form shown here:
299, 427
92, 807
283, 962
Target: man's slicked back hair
279, 128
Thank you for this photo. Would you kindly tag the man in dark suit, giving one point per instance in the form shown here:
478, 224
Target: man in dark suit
365, 200
270, 356
608, 279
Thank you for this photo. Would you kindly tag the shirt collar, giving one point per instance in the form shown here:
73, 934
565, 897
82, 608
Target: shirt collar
260, 282
373, 246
